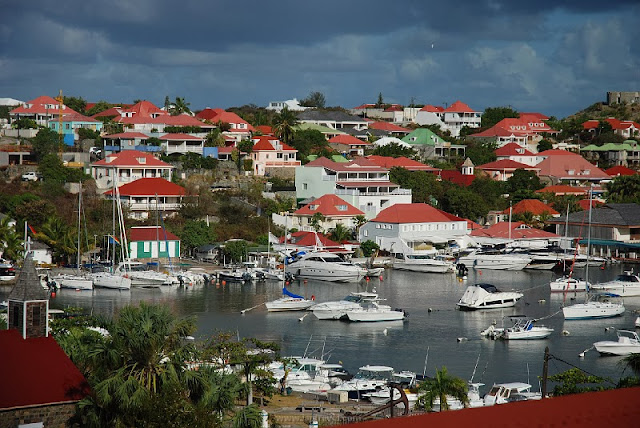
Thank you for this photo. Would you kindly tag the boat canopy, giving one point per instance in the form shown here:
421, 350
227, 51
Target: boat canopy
290, 294
489, 288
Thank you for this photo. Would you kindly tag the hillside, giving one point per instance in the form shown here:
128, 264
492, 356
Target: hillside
602, 110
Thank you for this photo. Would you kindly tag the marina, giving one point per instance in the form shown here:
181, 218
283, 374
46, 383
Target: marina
434, 324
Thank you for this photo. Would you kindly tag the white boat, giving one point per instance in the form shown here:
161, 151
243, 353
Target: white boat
141, 277
625, 285
383, 396
235, 275
628, 343
304, 375
501, 393
432, 263
568, 283
326, 266
372, 311
495, 260
525, 329
7, 271
289, 302
110, 280
338, 309
76, 282
368, 379
487, 296
637, 323
599, 305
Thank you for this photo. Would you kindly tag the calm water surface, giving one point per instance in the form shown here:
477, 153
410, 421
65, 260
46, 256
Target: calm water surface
433, 325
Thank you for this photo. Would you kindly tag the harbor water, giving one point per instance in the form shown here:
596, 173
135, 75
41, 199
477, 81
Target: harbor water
450, 337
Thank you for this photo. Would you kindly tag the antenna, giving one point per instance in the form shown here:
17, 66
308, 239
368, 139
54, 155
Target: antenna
60, 99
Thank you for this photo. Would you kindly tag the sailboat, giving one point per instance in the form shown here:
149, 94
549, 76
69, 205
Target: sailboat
289, 302
598, 305
75, 281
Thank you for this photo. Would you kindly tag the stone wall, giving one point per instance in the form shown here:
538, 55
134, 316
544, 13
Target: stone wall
280, 172
51, 416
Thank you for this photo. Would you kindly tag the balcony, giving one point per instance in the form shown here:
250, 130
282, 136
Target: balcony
356, 192
151, 206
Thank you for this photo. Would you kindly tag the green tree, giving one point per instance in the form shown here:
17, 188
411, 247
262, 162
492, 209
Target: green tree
45, 142
316, 221
214, 139
310, 141
481, 152
544, 144
369, 248
439, 387
380, 101
11, 244
235, 251
196, 233
523, 180
25, 123
394, 150
179, 106
493, 115
283, 125
246, 146
340, 233
78, 104
59, 236
99, 107
464, 203
358, 222
574, 381
314, 99
248, 417
624, 189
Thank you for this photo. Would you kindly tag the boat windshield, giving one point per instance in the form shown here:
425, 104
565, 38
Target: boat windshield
332, 259
375, 374
354, 299
627, 278
489, 288
419, 257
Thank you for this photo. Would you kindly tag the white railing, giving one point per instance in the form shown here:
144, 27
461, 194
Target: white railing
151, 206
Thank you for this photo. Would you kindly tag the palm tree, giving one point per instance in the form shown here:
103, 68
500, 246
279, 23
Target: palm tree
57, 234
10, 240
441, 386
340, 233
179, 106
283, 125
316, 221
359, 221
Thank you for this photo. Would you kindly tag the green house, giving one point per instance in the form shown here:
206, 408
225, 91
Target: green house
151, 242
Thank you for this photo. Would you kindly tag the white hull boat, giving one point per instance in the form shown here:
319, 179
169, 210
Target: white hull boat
76, 282
338, 309
625, 285
601, 305
326, 266
383, 396
289, 302
526, 330
109, 280
7, 271
568, 284
502, 393
628, 343
368, 379
499, 261
374, 312
424, 263
487, 296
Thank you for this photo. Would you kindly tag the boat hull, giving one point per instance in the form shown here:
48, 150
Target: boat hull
116, 282
620, 289
563, 284
615, 348
74, 283
288, 306
371, 316
533, 334
424, 267
581, 311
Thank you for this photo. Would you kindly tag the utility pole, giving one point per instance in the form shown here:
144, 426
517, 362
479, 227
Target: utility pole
545, 372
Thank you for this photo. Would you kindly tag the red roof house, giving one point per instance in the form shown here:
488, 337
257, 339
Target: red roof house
414, 213
41, 109
619, 170
127, 166
146, 196
402, 162
518, 229
502, 170
569, 168
334, 210
389, 127
269, 154
533, 206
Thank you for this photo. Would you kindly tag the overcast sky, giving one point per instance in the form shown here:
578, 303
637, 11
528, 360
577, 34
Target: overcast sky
549, 56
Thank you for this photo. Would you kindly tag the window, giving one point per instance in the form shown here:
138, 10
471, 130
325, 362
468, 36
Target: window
163, 246
16, 316
313, 207
342, 207
35, 314
366, 233
146, 247
279, 155
304, 186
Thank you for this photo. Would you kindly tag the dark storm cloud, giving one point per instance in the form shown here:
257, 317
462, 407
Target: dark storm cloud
545, 55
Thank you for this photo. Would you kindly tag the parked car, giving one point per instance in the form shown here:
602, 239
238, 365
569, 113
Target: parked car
30, 176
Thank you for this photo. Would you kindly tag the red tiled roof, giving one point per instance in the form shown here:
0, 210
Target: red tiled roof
456, 177
506, 164
459, 107
534, 115
180, 137
348, 140
77, 117
611, 408
513, 149
616, 124
262, 144
563, 189
214, 115
620, 170
37, 105
432, 109
145, 108
267, 142
359, 165
584, 204
387, 126
126, 135
534, 206
150, 233
556, 152
327, 205
518, 127
414, 213
113, 111
226, 149
36, 371
265, 129
562, 166
501, 230
310, 239
150, 187
130, 158
403, 162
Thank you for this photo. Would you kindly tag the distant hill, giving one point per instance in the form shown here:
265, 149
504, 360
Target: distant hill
602, 110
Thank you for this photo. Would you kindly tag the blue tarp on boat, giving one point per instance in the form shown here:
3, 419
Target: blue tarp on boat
290, 294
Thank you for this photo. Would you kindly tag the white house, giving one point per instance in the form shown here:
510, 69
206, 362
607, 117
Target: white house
414, 228
269, 153
333, 209
292, 105
452, 118
128, 166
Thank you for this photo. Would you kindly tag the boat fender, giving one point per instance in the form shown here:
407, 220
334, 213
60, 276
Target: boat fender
313, 297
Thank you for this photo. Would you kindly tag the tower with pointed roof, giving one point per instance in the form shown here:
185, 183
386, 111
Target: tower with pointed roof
467, 167
29, 303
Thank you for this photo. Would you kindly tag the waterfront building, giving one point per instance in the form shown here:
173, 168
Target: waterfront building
153, 242
147, 196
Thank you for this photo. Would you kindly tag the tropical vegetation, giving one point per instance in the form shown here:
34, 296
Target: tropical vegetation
440, 388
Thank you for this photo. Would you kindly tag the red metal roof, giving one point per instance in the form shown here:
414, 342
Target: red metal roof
180, 137
432, 109
38, 105
310, 239
414, 213
570, 166
613, 408
506, 164
131, 158
151, 233
616, 124
387, 126
403, 162
501, 230
459, 107
513, 149
327, 205
534, 206
348, 140
214, 115
563, 189
77, 117
150, 187
620, 170
113, 111
265, 129
36, 371
456, 177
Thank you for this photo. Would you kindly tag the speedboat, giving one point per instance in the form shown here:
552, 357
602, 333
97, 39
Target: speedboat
628, 343
141, 277
7, 271
568, 283
368, 379
424, 263
326, 266
501, 393
599, 305
110, 280
524, 329
487, 296
495, 260
625, 285
289, 302
76, 282
338, 309
372, 311
303, 374
235, 275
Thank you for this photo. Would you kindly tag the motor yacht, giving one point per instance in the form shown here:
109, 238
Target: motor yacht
338, 309
501, 393
628, 343
625, 285
487, 296
598, 305
289, 302
525, 329
372, 311
496, 260
7, 271
368, 379
568, 283
75, 282
326, 266
433, 263
110, 280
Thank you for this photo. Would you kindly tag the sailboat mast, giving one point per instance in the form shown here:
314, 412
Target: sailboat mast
79, 211
586, 271
157, 236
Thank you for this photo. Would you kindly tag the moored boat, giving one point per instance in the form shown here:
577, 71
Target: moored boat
338, 309
598, 305
325, 266
628, 343
487, 296
289, 302
525, 329
372, 311
625, 285
568, 283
